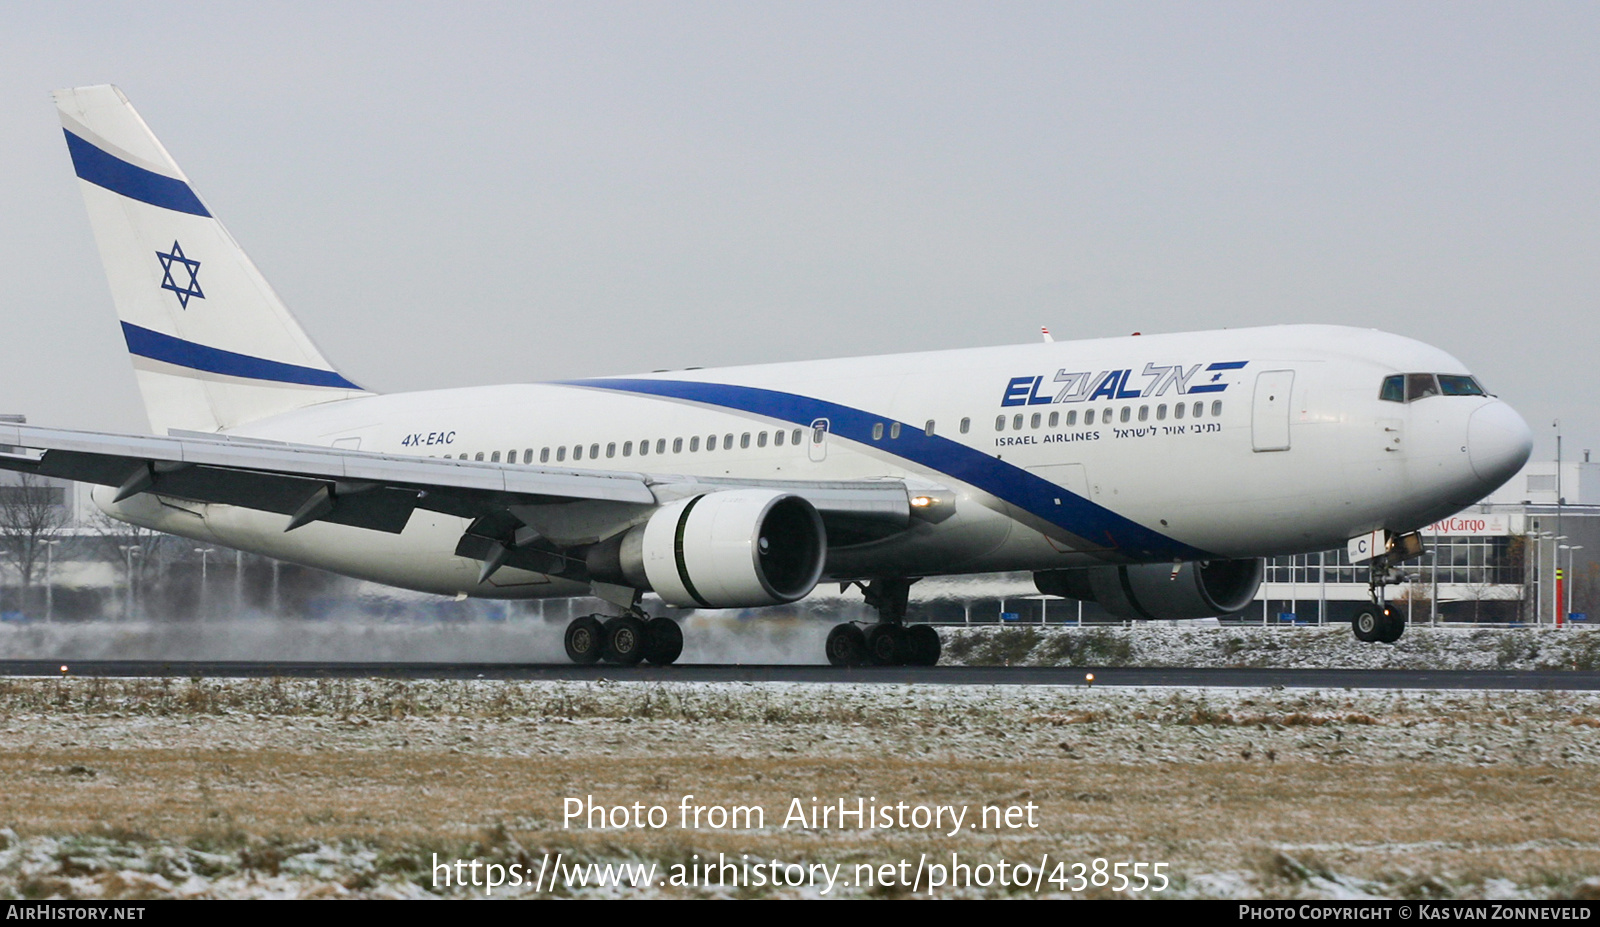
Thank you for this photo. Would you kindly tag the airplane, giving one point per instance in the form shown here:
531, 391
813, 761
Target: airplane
1149, 473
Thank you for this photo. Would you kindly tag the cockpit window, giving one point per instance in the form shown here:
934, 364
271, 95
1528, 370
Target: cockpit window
1420, 386
1456, 385
1409, 387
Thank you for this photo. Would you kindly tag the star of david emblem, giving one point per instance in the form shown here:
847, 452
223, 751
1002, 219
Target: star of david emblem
192, 288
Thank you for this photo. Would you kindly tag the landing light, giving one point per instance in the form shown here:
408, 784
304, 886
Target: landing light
1088, 679
922, 502
63, 667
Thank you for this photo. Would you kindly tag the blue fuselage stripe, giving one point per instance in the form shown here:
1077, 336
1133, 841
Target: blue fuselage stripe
131, 180
170, 350
1039, 497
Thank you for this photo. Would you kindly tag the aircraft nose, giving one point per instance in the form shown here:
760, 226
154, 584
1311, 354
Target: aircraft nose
1498, 444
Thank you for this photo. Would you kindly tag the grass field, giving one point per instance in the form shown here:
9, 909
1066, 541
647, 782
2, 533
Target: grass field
157, 788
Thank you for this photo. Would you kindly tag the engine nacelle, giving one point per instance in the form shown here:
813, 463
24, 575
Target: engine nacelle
1154, 591
737, 548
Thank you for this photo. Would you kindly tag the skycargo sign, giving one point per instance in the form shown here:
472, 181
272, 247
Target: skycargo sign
1469, 526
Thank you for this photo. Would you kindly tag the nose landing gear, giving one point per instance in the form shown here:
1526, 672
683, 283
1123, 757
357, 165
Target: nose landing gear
1378, 623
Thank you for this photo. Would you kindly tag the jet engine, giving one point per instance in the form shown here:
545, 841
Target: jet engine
1159, 590
737, 548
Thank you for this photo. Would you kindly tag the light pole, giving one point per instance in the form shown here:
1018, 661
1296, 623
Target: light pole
49, 587
204, 552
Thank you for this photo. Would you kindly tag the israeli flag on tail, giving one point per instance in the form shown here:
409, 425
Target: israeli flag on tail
212, 344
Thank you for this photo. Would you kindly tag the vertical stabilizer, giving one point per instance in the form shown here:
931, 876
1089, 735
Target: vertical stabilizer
212, 344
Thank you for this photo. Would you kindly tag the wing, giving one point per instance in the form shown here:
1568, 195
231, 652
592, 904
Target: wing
536, 513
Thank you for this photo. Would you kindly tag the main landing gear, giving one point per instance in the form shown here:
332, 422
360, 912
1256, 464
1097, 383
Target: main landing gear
625, 639
1378, 622
889, 642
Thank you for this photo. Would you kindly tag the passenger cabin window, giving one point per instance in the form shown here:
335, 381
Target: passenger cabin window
795, 437
627, 448
1072, 418
1177, 410
661, 446
744, 440
1216, 408
966, 425
761, 438
677, 445
479, 455
1037, 418
561, 453
544, 455
611, 449
928, 428
894, 431
1088, 417
495, 457
577, 452
1000, 423
777, 439
694, 444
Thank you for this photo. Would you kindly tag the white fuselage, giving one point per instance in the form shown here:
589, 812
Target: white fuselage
1282, 445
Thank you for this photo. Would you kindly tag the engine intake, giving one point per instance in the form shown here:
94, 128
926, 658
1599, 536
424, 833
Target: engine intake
737, 548
1153, 591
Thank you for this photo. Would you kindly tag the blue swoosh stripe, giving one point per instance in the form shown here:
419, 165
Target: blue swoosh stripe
1005, 481
170, 350
107, 170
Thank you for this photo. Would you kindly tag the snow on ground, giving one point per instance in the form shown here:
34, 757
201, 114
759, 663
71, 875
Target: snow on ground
147, 788
713, 638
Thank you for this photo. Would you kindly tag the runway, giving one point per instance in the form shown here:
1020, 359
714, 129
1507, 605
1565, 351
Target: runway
1221, 677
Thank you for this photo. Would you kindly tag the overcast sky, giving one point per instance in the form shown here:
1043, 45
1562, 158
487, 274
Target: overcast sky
455, 194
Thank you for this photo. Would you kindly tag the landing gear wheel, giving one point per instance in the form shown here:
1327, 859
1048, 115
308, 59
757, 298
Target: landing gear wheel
663, 641
846, 646
886, 644
1392, 627
623, 640
924, 645
1367, 625
583, 640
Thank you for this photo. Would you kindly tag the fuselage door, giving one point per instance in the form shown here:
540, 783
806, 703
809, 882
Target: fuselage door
818, 448
1269, 419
